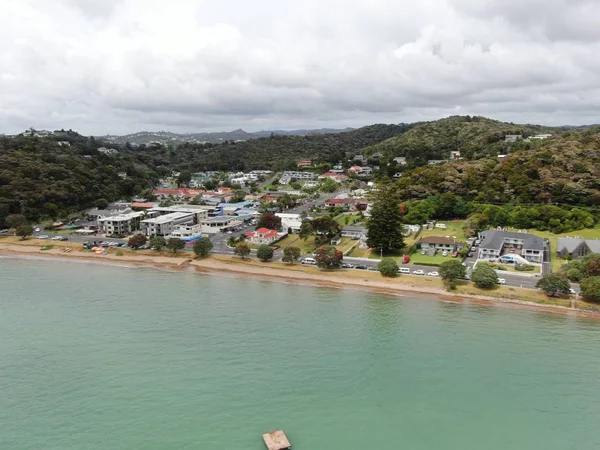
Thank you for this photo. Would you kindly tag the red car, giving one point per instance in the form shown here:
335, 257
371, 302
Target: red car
454, 254
406, 259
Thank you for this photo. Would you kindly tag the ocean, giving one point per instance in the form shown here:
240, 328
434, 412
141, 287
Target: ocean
96, 357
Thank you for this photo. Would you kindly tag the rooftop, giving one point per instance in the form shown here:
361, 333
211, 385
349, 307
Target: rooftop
168, 218
570, 244
495, 240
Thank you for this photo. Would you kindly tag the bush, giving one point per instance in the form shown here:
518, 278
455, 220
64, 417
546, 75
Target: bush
524, 267
328, 257
388, 267
452, 270
554, 284
574, 271
264, 253
136, 241
291, 254
242, 250
590, 289
484, 277
452, 285
203, 246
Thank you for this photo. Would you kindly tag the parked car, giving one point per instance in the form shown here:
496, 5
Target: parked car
37, 230
405, 259
418, 272
361, 267
348, 266
444, 253
404, 270
501, 281
372, 268
470, 255
43, 236
56, 238
309, 261
573, 291
433, 274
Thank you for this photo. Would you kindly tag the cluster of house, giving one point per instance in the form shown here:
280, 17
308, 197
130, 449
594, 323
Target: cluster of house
241, 178
511, 138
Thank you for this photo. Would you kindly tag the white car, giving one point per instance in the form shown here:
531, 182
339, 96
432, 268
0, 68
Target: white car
444, 253
433, 274
43, 236
37, 230
501, 281
57, 238
573, 291
418, 272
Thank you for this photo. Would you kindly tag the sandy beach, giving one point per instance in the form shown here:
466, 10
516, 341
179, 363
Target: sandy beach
297, 274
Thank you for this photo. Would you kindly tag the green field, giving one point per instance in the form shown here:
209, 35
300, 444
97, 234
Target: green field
417, 258
352, 219
454, 228
308, 246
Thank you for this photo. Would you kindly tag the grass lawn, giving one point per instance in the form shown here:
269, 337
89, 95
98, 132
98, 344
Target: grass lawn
360, 252
417, 258
454, 228
352, 219
511, 268
345, 244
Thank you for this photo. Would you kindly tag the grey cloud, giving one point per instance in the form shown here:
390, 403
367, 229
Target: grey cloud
187, 65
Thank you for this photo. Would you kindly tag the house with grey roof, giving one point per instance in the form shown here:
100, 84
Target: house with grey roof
577, 248
497, 243
354, 232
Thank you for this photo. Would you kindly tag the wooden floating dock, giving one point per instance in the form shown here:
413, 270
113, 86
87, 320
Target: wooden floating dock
276, 440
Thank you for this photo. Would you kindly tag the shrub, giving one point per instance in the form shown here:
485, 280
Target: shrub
452, 270
242, 250
328, 257
554, 284
484, 276
291, 254
264, 253
590, 289
203, 246
388, 267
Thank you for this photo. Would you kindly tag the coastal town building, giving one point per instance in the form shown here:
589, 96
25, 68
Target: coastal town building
495, 244
164, 225
431, 245
123, 224
304, 163
577, 248
354, 232
218, 224
262, 236
513, 137
400, 160
187, 233
290, 222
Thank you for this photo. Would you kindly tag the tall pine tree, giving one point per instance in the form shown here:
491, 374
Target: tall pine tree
385, 224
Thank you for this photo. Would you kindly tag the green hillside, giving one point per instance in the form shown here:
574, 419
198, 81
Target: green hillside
564, 169
474, 137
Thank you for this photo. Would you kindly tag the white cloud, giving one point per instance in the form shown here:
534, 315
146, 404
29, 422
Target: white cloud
124, 65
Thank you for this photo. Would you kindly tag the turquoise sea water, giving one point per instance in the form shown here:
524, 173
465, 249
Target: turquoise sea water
103, 358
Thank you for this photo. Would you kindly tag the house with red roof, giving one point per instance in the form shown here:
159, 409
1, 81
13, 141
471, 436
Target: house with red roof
262, 236
338, 177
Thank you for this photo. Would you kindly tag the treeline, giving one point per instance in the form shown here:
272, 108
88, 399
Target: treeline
43, 179
273, 153
561, 170
482, 216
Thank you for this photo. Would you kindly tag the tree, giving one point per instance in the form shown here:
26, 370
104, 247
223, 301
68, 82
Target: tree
158, 242
306, 229
484, 276
270, 221
242, 250
574, 270
592, 265
325, 227
203, 246
385, 224
329, 185
239, 196
590, 289
185, 176
264, 253
291, 254
24, 231
16, 220
554, 284
175, 244
452, 270
137, 240
101, 203
388, 267
284, 202
328, 257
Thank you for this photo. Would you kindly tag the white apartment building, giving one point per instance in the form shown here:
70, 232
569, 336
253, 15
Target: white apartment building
120, 224
165, 225
187, 232
299, 175
290, 221
200, 212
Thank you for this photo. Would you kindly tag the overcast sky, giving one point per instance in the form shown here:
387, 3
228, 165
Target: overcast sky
120, 66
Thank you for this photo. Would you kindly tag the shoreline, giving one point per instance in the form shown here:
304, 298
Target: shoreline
275, 272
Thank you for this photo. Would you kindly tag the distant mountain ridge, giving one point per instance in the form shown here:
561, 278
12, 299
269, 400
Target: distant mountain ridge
167, 137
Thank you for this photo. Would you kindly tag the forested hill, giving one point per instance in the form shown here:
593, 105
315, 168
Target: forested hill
474, 137
274, 152
564, 169
43, 178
